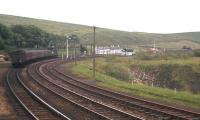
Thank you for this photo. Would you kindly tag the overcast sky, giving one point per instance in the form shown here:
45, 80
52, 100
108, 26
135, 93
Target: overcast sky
154, 16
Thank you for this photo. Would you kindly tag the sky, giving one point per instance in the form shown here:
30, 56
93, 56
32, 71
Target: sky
153, 16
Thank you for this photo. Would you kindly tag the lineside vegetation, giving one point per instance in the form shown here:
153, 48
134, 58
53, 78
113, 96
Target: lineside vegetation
112, 72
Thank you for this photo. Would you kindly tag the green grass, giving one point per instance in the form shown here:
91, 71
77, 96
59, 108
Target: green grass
84, 69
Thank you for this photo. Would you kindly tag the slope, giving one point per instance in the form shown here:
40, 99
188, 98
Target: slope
108, 36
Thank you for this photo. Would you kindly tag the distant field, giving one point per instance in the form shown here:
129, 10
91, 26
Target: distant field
108, 36
103, 79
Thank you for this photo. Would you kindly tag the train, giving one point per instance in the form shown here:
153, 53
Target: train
23, 57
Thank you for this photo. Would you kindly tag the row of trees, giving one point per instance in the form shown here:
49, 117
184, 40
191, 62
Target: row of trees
29, 36
26, 36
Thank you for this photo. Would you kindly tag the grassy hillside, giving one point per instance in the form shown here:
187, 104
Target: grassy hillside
108, 36
195, 36
49, 26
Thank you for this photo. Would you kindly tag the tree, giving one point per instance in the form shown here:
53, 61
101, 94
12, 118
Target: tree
5, 32
33, 36
28, 36
2, 45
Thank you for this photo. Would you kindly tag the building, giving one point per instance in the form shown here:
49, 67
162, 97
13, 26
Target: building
114, 50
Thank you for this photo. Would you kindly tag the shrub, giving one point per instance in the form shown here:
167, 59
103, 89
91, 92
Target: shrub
143, 56
117, 72
197, 53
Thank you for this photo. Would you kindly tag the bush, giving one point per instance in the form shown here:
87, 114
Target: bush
143, 56
164, 55
197, 53
117, 72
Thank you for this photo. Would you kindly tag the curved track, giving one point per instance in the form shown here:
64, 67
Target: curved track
122, 102
91, 105
47, 93
33, 105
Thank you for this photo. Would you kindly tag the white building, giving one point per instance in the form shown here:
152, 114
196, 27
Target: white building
114, 51
102, 50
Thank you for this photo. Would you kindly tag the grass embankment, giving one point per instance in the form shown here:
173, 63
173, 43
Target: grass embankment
84, 69
180, 73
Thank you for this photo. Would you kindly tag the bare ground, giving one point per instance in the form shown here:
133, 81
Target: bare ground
6, 110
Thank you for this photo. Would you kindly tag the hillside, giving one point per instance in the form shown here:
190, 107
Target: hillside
108, 36
195, 36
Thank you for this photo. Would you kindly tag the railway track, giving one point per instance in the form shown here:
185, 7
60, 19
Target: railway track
61, 103
32, 107
44, 92
155, 110
94, 96
94, 107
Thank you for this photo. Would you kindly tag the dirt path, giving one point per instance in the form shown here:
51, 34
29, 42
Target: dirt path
6, 110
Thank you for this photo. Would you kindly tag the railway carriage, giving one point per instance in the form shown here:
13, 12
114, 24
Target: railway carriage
24, 56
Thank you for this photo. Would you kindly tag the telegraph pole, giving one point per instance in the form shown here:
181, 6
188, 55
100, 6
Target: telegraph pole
67, 48
94, 52
87, 47
75, 51
91, 49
